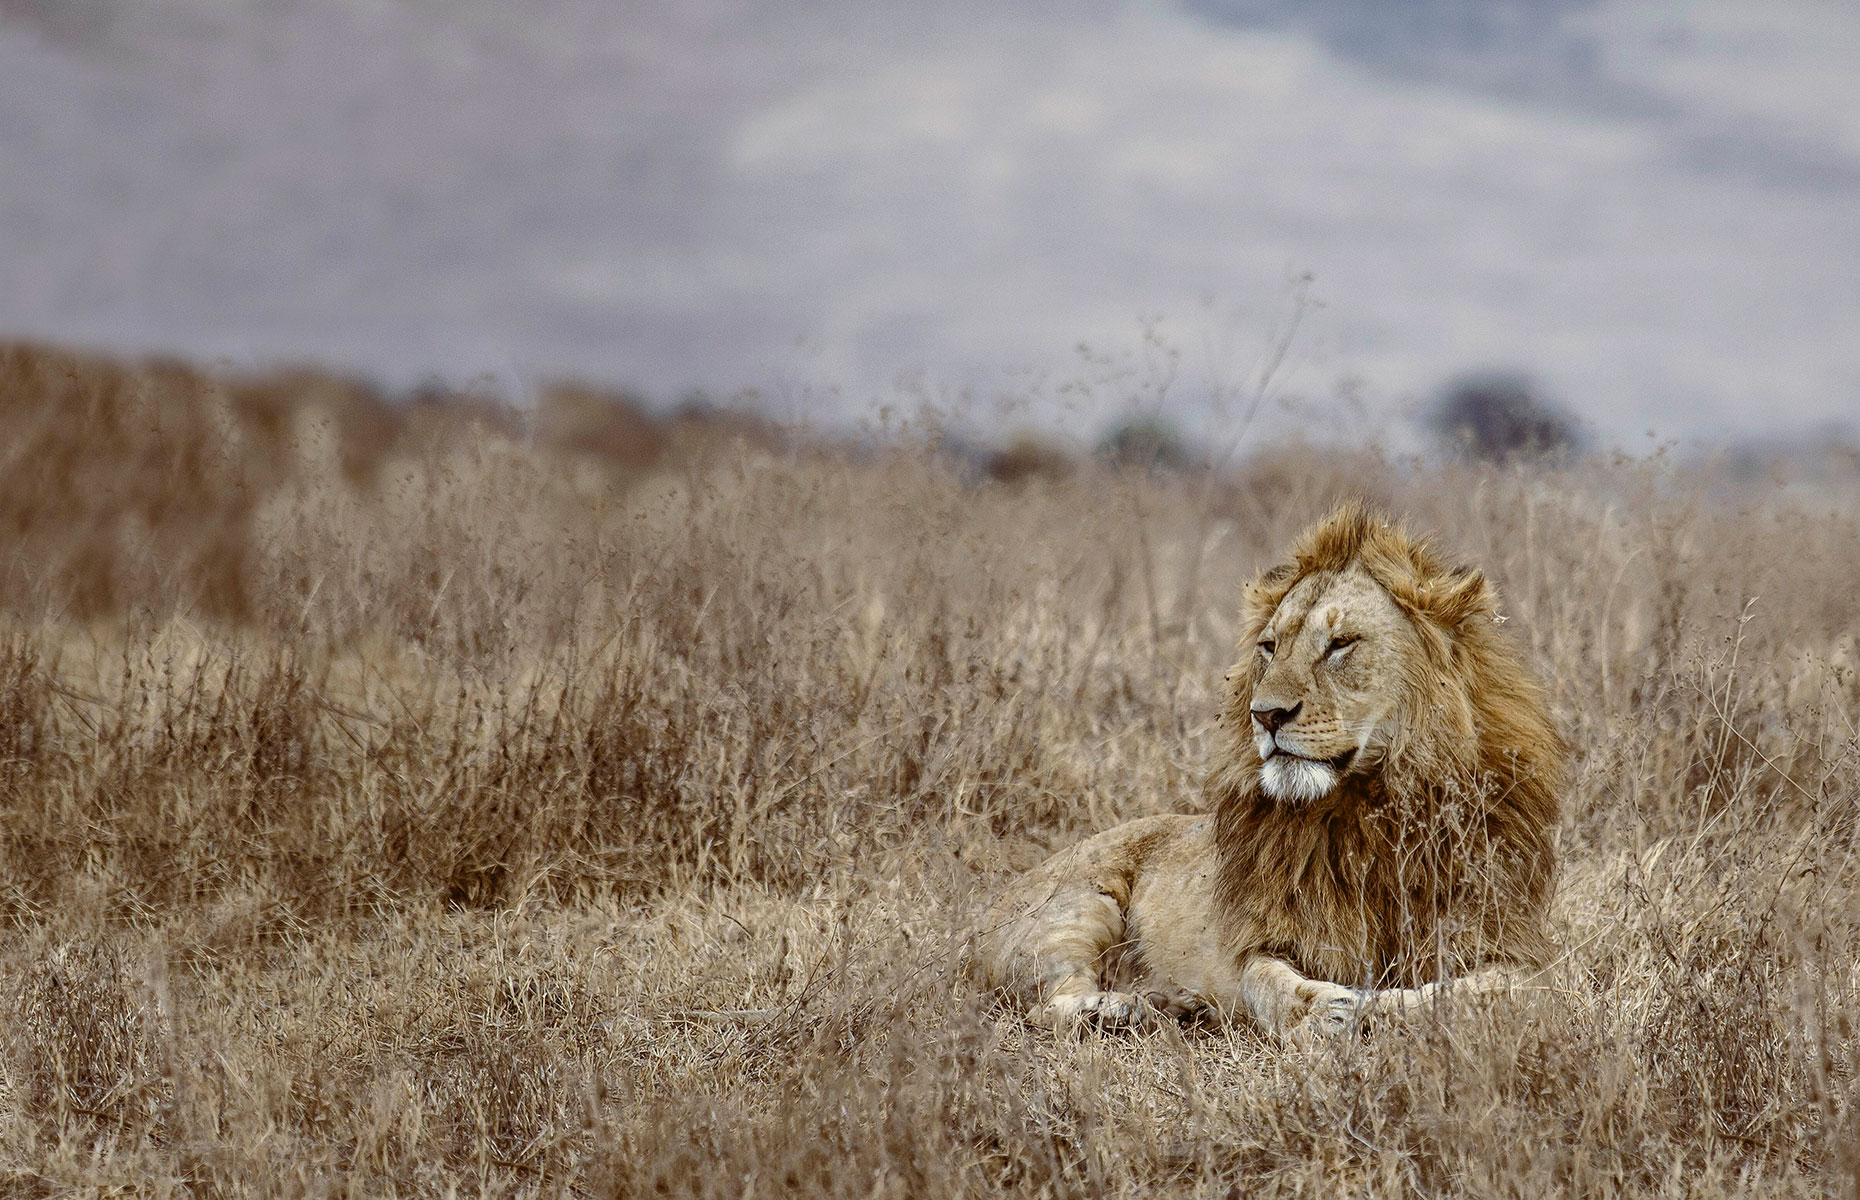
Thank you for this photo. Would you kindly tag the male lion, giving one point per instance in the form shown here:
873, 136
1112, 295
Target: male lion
1382, 801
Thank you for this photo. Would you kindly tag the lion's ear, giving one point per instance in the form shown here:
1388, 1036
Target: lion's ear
1263, 594
1462, 596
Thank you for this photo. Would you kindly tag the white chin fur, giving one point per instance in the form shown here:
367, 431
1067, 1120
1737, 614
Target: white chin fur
1296, 780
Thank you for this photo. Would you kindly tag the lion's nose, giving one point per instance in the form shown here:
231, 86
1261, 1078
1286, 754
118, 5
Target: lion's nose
1273, 719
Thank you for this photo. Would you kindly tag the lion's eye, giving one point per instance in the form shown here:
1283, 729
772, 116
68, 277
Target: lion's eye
1267, 646
1338, 645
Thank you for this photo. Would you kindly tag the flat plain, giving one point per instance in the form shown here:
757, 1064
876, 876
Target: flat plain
424, 800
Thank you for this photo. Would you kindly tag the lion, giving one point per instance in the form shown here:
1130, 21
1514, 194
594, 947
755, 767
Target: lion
1382, 803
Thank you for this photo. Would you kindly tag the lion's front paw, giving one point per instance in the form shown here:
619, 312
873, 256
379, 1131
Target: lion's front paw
1099, 1010
1182, 1006
1325, 1010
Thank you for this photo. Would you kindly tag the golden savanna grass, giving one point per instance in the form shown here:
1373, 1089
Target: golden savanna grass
401, 801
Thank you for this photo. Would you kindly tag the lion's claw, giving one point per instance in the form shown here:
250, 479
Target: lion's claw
1330, 1010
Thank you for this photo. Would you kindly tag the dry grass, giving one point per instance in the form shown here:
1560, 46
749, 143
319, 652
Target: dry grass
401, 802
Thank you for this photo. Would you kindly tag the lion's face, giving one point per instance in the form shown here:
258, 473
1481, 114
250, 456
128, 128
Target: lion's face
1327, 677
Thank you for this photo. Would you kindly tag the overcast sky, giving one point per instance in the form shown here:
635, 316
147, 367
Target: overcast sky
1652, 207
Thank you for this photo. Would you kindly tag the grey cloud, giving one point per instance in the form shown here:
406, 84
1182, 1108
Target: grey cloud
727, 195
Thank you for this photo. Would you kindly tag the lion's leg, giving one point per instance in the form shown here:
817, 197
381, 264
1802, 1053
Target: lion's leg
1496, 979
1049, 945
1063, 942
1290, 1005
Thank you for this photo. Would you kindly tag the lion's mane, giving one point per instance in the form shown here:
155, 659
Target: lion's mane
1435, 860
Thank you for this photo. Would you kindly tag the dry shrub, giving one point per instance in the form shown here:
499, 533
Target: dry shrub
85, 1059
612, 426
907, 1114
118, 487
404, 800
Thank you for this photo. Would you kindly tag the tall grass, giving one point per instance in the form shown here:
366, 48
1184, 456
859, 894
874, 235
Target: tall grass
401, 800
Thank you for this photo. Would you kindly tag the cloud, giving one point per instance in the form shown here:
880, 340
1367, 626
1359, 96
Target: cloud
840, 197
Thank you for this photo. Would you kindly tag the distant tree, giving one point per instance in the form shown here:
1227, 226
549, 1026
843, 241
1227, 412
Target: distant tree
1498, 416
1027, 457
1146, 444
604, 422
